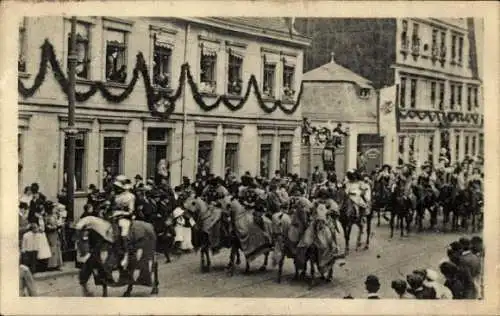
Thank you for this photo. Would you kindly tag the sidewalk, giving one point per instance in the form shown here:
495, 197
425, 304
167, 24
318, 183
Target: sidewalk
67, 269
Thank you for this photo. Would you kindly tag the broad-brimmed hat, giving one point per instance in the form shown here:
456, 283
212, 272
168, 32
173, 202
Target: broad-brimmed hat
177, 212
121, 178
387, 166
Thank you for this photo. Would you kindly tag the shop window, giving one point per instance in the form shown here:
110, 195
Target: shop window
116, 56
413, 93
404, 36
235, 81
82, 50
80, 160
433, 95
204, 158
441, 96
265, 160
208, 66
269, 78
157, 145
288, 82
162, 58
285, 157
231, 157
415, 40
430, 149
21, 58
401, 149
112, 155
402, 94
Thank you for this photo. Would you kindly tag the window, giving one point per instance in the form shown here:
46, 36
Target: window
265, 160
208, 66
460, 50
457, 147
442, 50
433, 94
268, 82
430, 149
412, 149
473, 145
434, 48
231, 157
112, 155
116, 56
476, 100
234, 75
401, 149
79, 161
453, 48
404, 35
413, 93
82, 50
415, 39
402, 94
204, 157
459, 96
21, 58
162, 58
157, 146
285, 157
441, 96
452, 96
481, 145
466, 148
469, 98
288, 82
364, 93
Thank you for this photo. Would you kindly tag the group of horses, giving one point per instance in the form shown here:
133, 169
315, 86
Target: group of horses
229, 224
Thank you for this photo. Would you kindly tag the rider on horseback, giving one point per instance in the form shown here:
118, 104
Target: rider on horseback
122, 210
356, 190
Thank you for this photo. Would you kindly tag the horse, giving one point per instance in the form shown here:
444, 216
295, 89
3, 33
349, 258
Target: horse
288, 230
381, 195
250, 238
349, 216
211, 232
426, 200
401, 208
100, 255
154, 211
319, 246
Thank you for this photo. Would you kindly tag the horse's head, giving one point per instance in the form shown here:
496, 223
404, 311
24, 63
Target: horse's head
89, 227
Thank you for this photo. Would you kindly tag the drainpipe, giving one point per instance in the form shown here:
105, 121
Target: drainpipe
184, 113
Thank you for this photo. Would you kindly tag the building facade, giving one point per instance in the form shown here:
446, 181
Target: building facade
433, 66
331, 95
220, 93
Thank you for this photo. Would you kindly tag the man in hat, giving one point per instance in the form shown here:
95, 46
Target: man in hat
372, 286
123, 209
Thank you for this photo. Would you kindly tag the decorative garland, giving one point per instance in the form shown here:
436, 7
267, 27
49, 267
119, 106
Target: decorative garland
156, 98
442, 117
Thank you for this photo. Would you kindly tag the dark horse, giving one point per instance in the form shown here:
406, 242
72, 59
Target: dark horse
401, 208
100, 253
381, 196
212, 230
350, 216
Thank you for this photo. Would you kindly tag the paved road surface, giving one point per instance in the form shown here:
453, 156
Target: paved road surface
387, 258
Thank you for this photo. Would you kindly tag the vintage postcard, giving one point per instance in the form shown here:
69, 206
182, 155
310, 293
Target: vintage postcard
232, 157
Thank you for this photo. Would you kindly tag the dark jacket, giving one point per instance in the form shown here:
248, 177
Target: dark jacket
471, 262
456, 287
424, 293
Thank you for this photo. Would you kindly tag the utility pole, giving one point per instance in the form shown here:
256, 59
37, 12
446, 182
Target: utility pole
71, 131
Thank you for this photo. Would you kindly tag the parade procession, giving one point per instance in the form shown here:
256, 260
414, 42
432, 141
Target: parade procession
251, 157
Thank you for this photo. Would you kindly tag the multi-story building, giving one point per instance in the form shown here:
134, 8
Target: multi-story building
199, 117
434, 65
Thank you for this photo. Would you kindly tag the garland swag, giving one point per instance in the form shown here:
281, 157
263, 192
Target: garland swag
155, 97
442, 117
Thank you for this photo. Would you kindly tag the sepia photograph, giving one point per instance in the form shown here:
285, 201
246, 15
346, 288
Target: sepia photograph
250, 156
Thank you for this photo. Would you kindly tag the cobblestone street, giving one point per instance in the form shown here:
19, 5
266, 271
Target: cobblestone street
387, 258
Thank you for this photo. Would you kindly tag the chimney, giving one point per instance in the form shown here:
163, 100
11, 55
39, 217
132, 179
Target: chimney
332, 57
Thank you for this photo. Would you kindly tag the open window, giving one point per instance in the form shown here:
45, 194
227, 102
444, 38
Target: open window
116, 56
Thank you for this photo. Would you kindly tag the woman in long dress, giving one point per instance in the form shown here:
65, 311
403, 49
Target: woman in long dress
52, 231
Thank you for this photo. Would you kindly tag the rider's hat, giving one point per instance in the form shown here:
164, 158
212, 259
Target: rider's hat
121, 178
386, 166
177, 212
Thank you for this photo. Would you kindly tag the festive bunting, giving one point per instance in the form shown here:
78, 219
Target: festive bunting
161, 103
442, 117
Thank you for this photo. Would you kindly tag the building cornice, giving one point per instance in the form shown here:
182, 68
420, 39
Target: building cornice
297, 40
429, 73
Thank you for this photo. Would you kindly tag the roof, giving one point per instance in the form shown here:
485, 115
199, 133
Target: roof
325, 100
332, 72
278, 24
